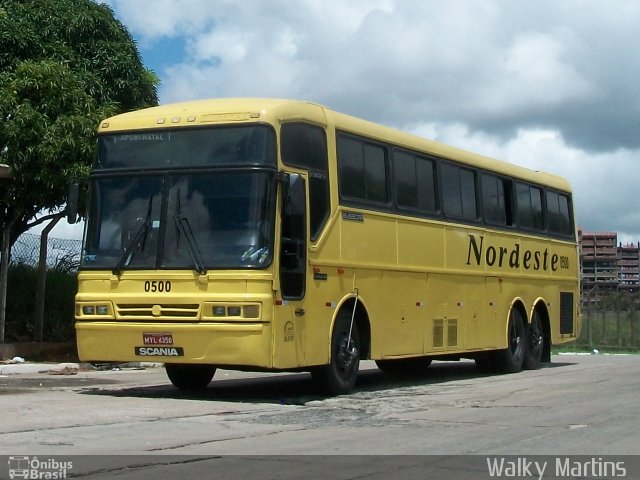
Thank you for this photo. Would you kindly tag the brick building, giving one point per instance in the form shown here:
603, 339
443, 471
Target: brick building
607, 265
629, 267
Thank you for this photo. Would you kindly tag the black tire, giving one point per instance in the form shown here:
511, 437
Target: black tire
405, 366
340, 375
535, 343
511, 359
190, 376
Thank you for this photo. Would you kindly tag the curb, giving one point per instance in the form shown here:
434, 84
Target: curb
50, 368
68, 368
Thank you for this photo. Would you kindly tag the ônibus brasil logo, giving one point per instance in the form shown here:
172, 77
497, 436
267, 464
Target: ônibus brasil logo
35, 468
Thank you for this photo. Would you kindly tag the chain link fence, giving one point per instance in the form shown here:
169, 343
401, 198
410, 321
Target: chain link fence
610, 321
62, 253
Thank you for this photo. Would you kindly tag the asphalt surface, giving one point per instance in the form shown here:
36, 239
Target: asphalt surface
584, 407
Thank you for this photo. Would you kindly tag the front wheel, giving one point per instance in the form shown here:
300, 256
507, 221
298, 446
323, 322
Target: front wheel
189, 376
511, 359
339, 376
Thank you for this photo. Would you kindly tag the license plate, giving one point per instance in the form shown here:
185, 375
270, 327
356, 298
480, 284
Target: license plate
157, 338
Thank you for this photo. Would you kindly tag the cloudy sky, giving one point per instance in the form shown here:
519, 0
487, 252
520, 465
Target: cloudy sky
548, 84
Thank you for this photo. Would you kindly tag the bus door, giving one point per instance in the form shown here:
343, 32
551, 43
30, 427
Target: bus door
290, 314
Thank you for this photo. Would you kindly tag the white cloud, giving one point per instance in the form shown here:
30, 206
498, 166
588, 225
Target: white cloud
534, 76
545, 84
155, 19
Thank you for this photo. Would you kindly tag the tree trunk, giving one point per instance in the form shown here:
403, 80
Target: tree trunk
4, 268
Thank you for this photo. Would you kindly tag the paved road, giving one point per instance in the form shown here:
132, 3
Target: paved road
579, 405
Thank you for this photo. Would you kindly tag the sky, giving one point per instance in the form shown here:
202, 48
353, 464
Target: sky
550, 85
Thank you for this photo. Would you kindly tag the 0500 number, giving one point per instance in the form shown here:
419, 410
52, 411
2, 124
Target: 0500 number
157, 286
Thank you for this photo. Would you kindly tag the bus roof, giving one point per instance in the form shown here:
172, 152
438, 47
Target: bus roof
274, 111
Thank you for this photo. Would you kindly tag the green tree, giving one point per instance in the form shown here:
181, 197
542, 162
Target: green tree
64, 65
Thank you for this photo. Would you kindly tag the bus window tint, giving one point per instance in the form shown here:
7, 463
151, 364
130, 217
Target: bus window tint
405, 178
351, 158
451, 191
376, 173
558, 213
565, 214
468, 191
414, 182
305, 146
363, 170
459, 192
536, 208
530, 214
225, 145
493, 205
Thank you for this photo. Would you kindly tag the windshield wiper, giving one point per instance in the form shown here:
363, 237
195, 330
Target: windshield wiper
183, 226
136, 242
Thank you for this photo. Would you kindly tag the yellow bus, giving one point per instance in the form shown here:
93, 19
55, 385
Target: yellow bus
279, 235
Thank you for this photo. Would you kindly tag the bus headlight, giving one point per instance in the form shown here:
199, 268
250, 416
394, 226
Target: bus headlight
251, 311
232, 311
94, 310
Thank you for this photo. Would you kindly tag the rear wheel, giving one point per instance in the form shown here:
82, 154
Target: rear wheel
340, 375
189, 376
511, 359
535, 343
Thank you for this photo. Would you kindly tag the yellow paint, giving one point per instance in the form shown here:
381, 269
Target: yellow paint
427, 286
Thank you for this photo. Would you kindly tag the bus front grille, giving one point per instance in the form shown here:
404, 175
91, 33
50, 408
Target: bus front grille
152, 311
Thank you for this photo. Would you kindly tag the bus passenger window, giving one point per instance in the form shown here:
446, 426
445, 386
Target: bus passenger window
451, 191
414, 182
496, 204
375, 173
530, 214
362, 170
459, 192
558, 213
351, 161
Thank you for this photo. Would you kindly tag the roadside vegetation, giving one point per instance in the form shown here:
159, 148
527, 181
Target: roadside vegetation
59, 297
609, 324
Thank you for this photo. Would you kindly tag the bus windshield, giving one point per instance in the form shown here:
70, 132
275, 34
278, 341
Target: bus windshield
193, 221
216, 213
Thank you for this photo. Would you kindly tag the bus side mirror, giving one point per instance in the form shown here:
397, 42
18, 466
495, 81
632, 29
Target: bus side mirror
72, 200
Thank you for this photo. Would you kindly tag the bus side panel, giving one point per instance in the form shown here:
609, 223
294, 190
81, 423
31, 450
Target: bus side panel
289, 333
395, 301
